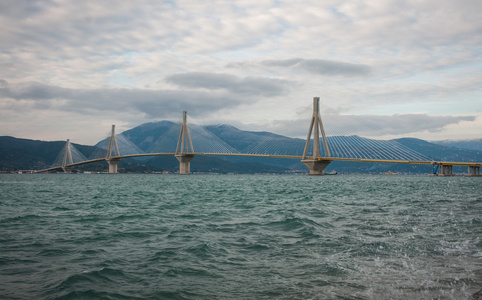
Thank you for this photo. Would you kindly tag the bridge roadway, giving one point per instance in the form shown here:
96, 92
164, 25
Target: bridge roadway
463, 164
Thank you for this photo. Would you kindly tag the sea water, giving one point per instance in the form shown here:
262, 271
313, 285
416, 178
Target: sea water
94, 236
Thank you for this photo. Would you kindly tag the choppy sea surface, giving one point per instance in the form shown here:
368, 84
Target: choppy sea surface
91, 236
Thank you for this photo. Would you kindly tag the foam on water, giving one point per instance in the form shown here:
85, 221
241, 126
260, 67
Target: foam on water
239, 237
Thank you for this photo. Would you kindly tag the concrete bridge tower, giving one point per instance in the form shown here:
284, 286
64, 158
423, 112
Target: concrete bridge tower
67, 160
113, 147
316, 164
184, 150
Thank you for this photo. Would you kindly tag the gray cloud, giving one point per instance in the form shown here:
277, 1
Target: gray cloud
217, 81
393, 125
154, 103
412, 56
372, 125
321, 66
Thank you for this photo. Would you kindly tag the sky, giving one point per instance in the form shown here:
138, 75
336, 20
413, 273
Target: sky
382, 69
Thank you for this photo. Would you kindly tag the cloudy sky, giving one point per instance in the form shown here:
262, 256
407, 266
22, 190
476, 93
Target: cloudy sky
70, 69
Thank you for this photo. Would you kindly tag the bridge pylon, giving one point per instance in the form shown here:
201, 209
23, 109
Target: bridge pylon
112, 152
184, 150
316, 164
67, 160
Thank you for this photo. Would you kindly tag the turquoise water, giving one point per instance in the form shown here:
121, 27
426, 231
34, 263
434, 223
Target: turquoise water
239, 237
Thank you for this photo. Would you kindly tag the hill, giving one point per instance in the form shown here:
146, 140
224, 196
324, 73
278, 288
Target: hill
162, 137
475, 144
25, 154
21, 154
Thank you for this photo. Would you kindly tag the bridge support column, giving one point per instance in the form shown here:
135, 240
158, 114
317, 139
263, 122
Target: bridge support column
446, 170
185, 163
113, 162
316, 164
67, 160
474, 171
184, 150
112, 152
316, 167
67, 170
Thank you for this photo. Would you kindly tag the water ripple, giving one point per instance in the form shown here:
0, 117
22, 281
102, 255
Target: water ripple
239, 237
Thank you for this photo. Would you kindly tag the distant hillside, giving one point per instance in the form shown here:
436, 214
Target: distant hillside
151, 137
24, 154
145, 135
162, 136
439, 152
475, 144
242, 140
433, 151
211, 164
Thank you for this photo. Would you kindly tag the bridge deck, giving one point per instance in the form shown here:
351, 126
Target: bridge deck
465, 164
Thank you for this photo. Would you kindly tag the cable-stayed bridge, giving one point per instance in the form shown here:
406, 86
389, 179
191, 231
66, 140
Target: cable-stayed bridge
318, 150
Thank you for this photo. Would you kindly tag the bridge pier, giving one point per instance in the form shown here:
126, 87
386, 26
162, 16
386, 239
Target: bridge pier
67, 170
184, 163
67, 160
316, 167
184, 150
112, 152
474, 171
113, 162
446, 170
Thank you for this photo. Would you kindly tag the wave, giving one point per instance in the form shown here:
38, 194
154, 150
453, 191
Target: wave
20, 218
93, 294
61, 208
54, 252
302, 226
255, 239
90, 285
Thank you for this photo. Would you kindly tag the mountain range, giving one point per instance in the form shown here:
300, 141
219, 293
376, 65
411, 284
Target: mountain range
474, 144
23, 154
